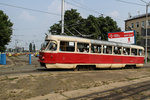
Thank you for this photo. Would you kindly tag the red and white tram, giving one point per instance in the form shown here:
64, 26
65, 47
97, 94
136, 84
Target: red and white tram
73, 52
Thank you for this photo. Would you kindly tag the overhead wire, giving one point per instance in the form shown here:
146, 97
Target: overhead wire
35, 10
82, 6
69, 31
133, 3
87, 7
82, 34
95, 23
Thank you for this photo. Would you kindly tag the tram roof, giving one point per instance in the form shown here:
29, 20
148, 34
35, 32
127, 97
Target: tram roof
80, 39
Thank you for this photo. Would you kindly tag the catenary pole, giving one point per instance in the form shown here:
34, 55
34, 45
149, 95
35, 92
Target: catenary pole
62, 17
147, 5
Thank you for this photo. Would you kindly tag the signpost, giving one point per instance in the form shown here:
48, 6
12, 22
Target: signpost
123, 37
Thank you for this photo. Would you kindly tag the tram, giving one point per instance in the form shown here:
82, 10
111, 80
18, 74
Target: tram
68, 52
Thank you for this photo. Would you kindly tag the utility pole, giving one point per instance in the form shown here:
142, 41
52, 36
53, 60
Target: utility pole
147, 5
62, 17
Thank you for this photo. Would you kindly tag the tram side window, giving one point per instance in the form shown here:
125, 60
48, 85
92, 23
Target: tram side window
141, 52
126, 51
67, 46
133, 51
117, 50
83, 47
107, 49
95, 48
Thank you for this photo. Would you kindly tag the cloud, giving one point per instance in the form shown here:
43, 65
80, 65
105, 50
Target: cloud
26, 16
114, 14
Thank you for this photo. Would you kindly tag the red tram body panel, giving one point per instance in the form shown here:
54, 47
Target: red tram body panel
75, 58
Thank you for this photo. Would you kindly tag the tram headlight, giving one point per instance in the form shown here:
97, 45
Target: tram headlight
43, 58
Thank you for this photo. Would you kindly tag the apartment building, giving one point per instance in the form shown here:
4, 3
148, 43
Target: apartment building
138, 23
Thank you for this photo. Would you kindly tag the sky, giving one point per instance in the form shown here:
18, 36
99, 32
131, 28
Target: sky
30, 26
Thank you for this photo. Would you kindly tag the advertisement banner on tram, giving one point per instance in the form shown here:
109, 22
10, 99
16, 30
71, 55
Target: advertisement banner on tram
122, 37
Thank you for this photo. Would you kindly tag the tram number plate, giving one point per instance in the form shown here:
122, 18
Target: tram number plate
117, 60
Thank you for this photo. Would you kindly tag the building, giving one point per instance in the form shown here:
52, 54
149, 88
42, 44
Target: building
138, 23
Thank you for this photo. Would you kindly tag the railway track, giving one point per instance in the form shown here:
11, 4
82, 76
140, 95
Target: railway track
33, 69
19, 65
138, 91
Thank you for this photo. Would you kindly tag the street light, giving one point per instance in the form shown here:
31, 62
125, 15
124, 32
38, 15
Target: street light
147, 5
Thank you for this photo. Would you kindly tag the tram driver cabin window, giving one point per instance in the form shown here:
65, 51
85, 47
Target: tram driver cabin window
67, 46
52, 46
83, 47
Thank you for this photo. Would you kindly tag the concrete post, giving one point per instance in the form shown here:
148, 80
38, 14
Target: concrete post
29, 58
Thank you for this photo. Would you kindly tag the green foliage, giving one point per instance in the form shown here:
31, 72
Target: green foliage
30, 47
97, 27
34, 48
5, 30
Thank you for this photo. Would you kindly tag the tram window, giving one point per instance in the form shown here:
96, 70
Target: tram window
117, 50
52, 46
67, 46
83, 47
126, 51
96, 48
141, 52
107, 49
133, 51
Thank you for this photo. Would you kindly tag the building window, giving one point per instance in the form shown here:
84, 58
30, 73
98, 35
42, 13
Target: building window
148, 22
137, 24
132, 25
142, 24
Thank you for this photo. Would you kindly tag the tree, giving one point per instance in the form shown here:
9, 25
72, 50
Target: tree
93, 27
72, 17
30, 47
5, 30
34, 49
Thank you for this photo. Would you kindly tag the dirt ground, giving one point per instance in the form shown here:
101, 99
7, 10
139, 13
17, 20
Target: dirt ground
19, 80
